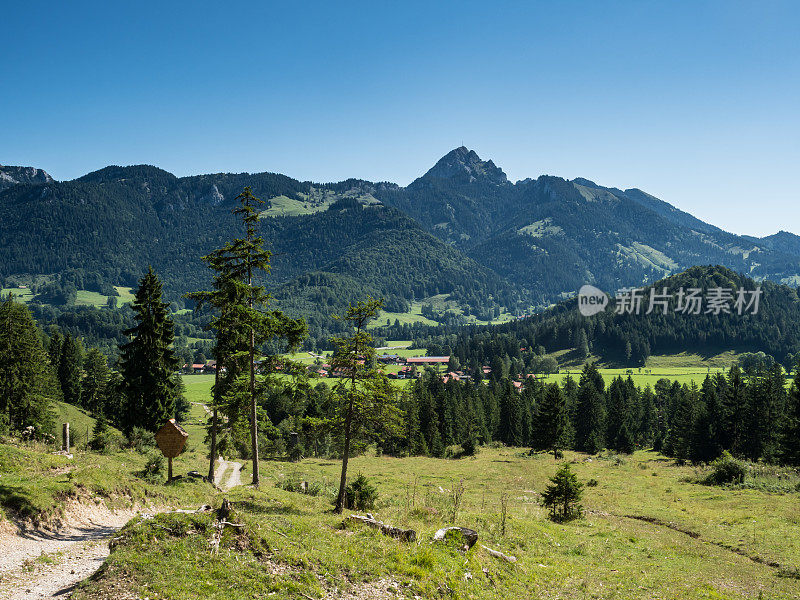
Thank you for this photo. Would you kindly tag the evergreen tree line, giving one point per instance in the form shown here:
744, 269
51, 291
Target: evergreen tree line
753, 416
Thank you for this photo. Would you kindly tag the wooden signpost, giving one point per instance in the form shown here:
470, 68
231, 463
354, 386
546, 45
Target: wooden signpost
171, 439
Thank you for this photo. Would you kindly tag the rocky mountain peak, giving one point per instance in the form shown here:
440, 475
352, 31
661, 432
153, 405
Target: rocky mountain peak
465, 164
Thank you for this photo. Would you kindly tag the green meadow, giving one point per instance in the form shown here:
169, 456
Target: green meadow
83, 297
648, 532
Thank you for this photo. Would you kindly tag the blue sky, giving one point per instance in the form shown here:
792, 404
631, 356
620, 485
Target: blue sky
694, 102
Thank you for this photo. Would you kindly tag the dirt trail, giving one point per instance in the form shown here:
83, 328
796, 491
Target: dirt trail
40, 564
235, 477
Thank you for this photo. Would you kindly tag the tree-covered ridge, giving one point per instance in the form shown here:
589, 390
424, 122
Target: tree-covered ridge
631, 338
350, 252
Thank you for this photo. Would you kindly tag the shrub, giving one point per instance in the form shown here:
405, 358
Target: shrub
454, 451
100, 441
562, 497
293, 484
469, 446
591, 483
726, 470
360, 494
153, 467
141, 440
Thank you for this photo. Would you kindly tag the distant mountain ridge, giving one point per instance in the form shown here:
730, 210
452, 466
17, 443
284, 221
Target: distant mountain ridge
526, 244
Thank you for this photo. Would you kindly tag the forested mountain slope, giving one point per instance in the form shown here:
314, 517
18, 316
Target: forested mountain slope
461, 229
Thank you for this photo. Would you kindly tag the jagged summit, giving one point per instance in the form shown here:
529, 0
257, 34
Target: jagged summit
10, 176
466, 165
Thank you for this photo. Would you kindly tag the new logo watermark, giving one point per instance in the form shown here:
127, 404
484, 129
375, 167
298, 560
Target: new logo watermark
685, 301
591, 300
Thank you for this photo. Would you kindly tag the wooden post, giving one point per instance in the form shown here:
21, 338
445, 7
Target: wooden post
65, 438
169, 469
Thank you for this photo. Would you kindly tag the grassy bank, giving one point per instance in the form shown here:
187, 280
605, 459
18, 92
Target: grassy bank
35, 484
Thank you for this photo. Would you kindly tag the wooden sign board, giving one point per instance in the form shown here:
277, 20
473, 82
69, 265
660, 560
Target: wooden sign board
171, 439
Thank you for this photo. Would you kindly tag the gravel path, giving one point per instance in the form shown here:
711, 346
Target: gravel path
40, 564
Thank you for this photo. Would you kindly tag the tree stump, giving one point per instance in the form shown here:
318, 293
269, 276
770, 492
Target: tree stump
463, 536
225, 510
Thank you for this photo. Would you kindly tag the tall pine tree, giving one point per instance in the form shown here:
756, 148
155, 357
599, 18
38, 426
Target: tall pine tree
148, 363
28, 384
590, 426
70, 369
94, 387
550, 424
242, 323
365, 401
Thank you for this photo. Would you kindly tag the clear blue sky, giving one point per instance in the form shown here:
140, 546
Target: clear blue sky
695, 102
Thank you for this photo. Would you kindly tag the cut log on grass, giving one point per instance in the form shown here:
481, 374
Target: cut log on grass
407, 535
497, 554
465, 537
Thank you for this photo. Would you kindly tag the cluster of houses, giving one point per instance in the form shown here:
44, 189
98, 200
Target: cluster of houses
410, 368
198, 368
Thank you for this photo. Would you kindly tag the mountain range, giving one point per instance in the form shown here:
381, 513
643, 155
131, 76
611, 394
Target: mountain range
462, 230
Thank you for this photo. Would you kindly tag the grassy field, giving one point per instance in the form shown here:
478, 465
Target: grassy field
20, 294
87, 298
413, 316
647, 533
440, 303
198, 387
283, 206
83, 298
644, 376
125, 294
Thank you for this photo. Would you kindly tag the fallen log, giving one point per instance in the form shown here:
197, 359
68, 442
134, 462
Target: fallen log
498, 554
407, 535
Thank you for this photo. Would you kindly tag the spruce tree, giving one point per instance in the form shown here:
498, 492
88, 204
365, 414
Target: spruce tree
682, 425
241, 323
563, 495
648, 422
147, 362
551, 425
365, 400
54, 350
766, 402
94, 387
510, 425
28, 384
734, 406
704, 444
590, 424
70, 370
624, 442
